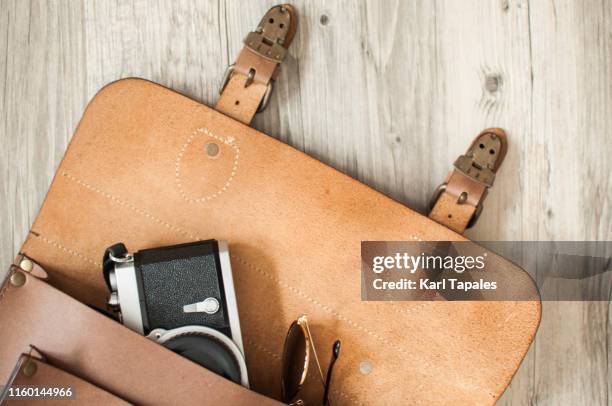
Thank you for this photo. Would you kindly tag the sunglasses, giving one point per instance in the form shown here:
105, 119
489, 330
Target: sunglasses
296, 357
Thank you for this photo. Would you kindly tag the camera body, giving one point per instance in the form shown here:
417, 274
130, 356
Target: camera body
182, 297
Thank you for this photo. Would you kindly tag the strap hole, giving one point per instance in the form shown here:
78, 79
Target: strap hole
450, 216
212, 149
481, 146
271, 21
492, 151
281, 25
237, 102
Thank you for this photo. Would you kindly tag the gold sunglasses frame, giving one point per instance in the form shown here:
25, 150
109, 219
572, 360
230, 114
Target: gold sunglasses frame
302, 321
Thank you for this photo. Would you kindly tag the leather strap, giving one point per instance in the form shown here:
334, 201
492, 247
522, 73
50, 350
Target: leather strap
457, 203
248, 82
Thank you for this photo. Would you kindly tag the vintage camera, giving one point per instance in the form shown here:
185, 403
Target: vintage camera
182, 297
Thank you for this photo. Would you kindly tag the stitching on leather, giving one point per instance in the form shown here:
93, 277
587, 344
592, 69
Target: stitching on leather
318, 304
66, 249
293, 289
128, 205
261, 348
412, 309
177, 175
244, 262
324, 307
165, 224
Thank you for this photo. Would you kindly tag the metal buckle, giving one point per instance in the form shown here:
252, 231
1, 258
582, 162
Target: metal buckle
226, 77
269, 37
267, 41
269, 87
460, 200
480, 161
435, 196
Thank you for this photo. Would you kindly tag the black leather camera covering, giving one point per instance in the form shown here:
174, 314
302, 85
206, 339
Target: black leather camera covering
175, 276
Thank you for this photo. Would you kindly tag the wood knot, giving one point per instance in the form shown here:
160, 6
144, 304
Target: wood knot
492, 83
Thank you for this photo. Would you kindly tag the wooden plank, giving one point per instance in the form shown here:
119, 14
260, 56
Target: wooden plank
179, 44
568, 196
42, 99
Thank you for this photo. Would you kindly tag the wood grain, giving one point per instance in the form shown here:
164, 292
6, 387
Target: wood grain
388, 92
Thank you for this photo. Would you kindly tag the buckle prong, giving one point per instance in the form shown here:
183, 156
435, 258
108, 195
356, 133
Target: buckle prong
462, 199
250, 77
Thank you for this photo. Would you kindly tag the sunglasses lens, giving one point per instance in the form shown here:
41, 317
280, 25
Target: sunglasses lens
294, 356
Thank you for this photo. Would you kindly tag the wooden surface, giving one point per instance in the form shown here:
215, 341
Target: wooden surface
389, 92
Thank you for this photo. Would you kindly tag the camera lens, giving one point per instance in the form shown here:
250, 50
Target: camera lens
208, 352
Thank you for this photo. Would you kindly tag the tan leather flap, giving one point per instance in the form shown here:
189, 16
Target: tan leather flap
150, 167
37, 373
99, 350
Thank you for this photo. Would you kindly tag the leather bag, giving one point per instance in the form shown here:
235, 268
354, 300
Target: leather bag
150, 167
